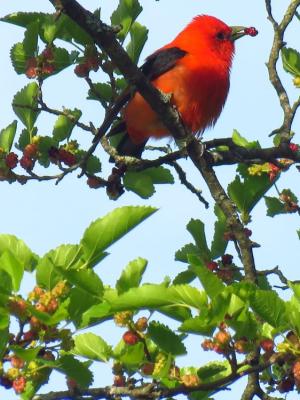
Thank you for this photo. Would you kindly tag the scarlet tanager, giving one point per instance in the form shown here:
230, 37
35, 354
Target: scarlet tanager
194, 69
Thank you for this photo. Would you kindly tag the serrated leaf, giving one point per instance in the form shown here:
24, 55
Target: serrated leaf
270, 307
64, 125
46, 275
92, 347
184, 277
20, 250
51, 27
7, 136
85, 279
100, 92
142, 183
274, 206
25, 103
75, 369
10, 264
132, 355
155, 296
166, 339
93, 314
214, 370
125, 15
93, 165
138, 36
79, 303
293, 314
132, 275
30, 41
4, 338
26, 354
196, 229
210, 282
185, 251
105, 231
218, 245
239, 140
248, 192
63, 59
291, 61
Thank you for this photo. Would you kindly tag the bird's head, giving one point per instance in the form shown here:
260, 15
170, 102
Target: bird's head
212, 36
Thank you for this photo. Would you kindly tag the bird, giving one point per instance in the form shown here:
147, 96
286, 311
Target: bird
194, 70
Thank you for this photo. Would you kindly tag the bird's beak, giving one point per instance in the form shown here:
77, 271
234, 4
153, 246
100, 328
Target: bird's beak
237, 32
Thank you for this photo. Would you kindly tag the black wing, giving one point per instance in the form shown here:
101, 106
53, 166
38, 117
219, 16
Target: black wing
156, 64
161, 61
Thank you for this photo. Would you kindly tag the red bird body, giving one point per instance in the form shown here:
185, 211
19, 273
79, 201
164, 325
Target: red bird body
194, 70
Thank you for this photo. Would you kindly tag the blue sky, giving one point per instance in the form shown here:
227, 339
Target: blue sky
45, 215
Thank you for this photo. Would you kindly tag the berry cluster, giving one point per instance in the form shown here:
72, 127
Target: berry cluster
224, 268
20, 371
62, 155
42, 65
91, 62
251, 31
223, 343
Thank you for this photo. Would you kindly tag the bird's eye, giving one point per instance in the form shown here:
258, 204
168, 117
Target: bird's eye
220, 36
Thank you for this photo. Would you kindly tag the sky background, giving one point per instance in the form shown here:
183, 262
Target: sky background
45, 215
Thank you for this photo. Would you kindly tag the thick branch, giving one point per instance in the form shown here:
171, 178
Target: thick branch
227, 206
104, 37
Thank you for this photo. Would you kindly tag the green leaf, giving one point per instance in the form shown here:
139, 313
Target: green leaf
20, 251
184, 277
242, 142
166, 339
10, 264
269, 306
125, 15
26, 354
50, 27
130, 355
94, 314
293, 314
4, 318
196, 229
92, 347
185, 251
63, 59
46, 275
79, 303
219, 245
142, 183
6, 286
21, 52
7, 136
105, 231
24, 103
290, 61
132, 275
24, 139
30, 41
93, 165
101, 92
75, 370
210, 282
4, 338
214, 370
64, 125
139, 36
85, 279
274, 206
248, 192
155, 296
